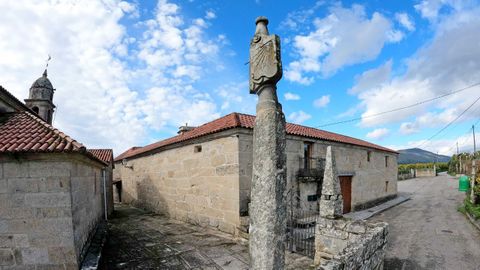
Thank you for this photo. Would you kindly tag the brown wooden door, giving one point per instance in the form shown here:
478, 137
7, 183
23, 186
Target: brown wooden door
346, 186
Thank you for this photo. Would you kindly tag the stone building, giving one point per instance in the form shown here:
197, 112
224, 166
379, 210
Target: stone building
51, 187
106, 155
203, 175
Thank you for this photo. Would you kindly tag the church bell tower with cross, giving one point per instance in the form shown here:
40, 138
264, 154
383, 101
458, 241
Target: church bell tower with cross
40, 98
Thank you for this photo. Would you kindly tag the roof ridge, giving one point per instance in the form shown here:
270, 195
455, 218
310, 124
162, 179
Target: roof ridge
57, 131
14, 98
236, 119
248, 121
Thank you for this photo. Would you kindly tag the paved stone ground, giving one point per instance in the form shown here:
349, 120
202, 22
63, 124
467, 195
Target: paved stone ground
141, 240
427, 232
370, 212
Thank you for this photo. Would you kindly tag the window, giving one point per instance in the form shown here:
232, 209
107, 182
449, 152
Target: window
307, 154
369, 155
35, 109
312, 198
197, 149
386, 186
49, 116
386, 161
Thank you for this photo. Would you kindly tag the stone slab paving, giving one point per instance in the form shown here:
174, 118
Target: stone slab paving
370, 212
142, 240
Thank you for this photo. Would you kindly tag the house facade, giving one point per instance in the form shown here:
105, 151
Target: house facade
52, 190
203, 175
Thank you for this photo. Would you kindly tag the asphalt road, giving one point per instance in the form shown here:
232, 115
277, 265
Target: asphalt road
427, 232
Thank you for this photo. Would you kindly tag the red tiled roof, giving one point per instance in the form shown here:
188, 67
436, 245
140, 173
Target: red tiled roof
105, 155
24, 132
238, 120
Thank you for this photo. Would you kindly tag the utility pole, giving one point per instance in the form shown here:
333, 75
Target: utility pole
474, 143
473, 198
459, 158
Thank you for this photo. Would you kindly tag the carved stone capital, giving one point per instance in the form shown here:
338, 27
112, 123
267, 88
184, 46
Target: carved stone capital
265, 60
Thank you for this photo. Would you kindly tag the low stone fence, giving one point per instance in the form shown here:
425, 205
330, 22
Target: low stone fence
425, 172
342, 244
405, 176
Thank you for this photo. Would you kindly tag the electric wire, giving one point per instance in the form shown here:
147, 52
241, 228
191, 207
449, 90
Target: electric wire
400, 108
449, 124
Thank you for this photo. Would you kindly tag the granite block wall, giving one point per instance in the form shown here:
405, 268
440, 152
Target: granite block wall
342, 244
372, 179
36, 218
196, 183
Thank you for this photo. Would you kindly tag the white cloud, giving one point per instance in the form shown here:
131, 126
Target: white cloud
328, 47
405, 21
291, 96
210, 15
163, 107
450, 61
299, 18
409, 128
298, 117
378, 133
322, 101
430, 119
372, 79
235, 97
434, 9
101, 100
442, 146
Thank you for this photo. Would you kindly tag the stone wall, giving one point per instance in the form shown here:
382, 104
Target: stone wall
36, 215
87, 202
110, 189
342, 244
425, 173
372, 181
186, 183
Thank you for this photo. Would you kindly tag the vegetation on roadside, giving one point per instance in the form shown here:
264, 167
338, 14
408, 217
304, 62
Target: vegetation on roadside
405, 168
455, 160
470, 208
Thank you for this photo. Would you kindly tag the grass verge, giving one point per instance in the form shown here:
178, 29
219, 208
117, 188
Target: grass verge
468, 207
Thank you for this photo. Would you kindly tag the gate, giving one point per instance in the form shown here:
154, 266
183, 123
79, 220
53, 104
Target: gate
301, 232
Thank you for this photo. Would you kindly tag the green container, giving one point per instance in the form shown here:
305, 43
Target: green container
463, 183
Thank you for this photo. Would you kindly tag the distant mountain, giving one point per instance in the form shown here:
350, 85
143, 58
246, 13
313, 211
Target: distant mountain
417, 155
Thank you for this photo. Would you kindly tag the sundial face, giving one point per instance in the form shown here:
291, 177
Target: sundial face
265, 63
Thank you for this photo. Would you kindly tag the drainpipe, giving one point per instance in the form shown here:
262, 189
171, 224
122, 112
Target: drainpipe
105, 192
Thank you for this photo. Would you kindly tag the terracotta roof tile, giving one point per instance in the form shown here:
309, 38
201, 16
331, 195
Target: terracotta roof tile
235, 120
105, 155
25, 132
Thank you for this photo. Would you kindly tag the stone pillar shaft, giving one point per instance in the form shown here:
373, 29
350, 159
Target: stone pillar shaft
268, 202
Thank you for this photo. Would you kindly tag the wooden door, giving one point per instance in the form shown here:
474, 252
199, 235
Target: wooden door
346, 186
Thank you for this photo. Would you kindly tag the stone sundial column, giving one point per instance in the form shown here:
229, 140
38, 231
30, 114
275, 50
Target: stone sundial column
268, 200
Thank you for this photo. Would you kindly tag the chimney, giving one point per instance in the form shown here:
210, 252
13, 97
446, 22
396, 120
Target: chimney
183, 129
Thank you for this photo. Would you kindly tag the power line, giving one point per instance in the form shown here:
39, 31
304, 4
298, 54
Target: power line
450, 123
400, 108
457, 143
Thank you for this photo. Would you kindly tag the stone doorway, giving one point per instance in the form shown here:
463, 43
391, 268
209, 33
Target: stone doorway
346, 187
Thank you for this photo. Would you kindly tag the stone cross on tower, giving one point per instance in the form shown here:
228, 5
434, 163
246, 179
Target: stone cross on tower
331, 202
268, 201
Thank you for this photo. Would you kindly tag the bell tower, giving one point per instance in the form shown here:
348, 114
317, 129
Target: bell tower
40, 98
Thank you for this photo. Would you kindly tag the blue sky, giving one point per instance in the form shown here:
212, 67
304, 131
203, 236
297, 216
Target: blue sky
130, 72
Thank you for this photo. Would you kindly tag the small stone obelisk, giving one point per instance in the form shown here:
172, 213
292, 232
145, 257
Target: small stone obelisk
331, 202
268, 200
